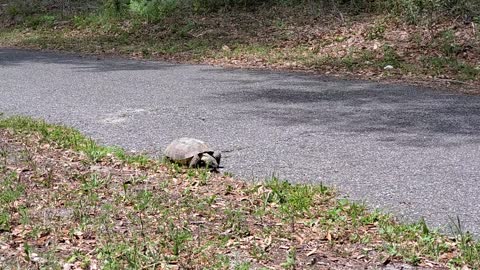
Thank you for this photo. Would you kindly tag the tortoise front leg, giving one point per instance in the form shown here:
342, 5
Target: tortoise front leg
194, 162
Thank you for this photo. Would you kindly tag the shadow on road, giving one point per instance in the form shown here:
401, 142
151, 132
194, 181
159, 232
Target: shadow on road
9, 57
406, 115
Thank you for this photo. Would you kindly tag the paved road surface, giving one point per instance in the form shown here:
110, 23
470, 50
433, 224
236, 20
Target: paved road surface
411, 151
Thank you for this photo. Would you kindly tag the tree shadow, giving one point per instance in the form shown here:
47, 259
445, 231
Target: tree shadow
80, 63
402, 114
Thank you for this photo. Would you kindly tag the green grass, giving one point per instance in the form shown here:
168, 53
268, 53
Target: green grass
10, 191
69, 138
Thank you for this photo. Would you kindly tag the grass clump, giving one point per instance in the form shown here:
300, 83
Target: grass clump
69, 138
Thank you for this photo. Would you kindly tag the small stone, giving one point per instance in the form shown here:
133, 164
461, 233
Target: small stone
388, 67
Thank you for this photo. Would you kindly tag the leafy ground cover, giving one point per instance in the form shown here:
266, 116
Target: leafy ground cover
307, 38
68, 203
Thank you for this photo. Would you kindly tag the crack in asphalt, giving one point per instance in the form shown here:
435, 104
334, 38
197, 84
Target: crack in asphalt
408, 150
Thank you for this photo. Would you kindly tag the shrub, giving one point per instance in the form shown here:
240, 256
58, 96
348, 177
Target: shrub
115, 7
153, 10
21, 8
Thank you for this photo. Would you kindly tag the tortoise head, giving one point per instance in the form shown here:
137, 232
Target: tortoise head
208, 161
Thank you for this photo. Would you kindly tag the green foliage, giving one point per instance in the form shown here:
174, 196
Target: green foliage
179, 237
215, 5
412, 11
447, 43
21, 8
294, 200
10, 191
441, 65
376, 31
153, 10
415, 11
235, 221
66, 137
469, 248
290, 262
390, 57
115, 8
242, 266
40, 21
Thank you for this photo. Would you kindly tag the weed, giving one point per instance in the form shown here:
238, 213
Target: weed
467, 72
290, 262
179, 237
175, 168
48, 179
20, 8
40, 21
350, 62
4, 220
390, 57
94, 182
221, 262
447, 43
242, 266
376, 31
115, 8
24, 217
372, 217
294, 200
143, 200
94, 152
10, 190
204, 175
228, 174
191, 173
82, 258
235, 221
444, 65
366, 56
337, 214
27, 249
279, 190
185, 29
258, 252
469, 249
153, 10
211, 199
3, 159
140, 160
435, 64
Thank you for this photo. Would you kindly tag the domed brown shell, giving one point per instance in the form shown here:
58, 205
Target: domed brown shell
183, 149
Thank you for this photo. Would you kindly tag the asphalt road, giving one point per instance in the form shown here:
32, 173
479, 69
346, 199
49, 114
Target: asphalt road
410, 151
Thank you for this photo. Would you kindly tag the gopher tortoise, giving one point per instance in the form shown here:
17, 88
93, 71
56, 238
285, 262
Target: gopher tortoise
193, 152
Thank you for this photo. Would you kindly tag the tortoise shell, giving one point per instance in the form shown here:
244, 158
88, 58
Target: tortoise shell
182, 150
